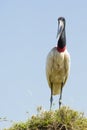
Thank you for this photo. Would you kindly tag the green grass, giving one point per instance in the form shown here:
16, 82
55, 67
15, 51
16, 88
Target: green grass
62, 119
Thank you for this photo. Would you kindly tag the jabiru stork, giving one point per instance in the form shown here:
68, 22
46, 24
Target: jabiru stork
58, 63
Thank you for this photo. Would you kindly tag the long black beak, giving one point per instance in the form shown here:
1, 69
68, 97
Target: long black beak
60, 29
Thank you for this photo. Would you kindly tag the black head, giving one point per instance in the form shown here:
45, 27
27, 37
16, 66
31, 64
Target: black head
61, 19
61, 25
61, 32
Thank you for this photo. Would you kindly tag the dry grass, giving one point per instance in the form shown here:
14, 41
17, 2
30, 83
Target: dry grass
63, 119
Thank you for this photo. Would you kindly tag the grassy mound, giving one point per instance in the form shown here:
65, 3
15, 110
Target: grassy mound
62, 119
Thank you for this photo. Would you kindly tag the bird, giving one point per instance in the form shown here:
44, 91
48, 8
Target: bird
58, 63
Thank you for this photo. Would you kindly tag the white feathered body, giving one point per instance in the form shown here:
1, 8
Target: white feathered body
57, 69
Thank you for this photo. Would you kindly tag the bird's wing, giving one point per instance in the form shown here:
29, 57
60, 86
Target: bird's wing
49, 64
66, 65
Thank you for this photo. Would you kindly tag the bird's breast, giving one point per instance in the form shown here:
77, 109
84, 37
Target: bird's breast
57, 72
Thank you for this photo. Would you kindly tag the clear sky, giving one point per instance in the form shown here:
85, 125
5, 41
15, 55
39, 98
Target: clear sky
27, 33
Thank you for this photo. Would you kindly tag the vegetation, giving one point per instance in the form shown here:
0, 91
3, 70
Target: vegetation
62, 119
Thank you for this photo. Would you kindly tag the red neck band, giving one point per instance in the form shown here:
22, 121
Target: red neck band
61, 49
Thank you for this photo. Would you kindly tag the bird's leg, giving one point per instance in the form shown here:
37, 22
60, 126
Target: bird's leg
51, 98
60, 98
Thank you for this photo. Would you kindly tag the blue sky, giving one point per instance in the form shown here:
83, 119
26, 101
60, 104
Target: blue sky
27, 33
